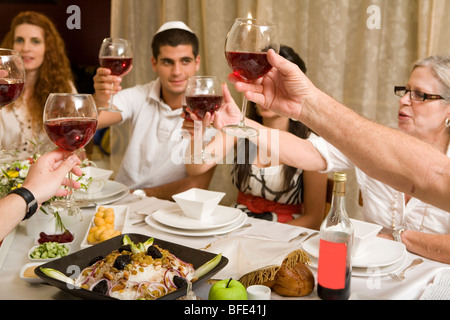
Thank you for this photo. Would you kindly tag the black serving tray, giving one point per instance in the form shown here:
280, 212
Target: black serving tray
79, 260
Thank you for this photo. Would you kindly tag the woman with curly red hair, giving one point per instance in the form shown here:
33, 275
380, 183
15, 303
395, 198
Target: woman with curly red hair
47, 71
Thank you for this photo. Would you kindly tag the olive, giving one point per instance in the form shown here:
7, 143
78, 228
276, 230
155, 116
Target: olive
125, 247
101, 287
122, 261
179, 282
154, 252
95, 260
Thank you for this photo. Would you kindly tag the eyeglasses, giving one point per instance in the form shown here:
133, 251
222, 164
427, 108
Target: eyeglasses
416, 95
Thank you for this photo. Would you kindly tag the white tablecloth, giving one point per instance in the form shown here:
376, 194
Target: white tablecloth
362, 287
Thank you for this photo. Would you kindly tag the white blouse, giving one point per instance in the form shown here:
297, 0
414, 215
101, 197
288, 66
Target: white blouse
382, 201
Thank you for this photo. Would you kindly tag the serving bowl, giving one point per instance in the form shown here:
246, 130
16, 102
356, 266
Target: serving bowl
198, 203
364, 233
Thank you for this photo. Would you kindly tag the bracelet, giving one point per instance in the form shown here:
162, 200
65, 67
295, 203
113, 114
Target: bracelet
32, 204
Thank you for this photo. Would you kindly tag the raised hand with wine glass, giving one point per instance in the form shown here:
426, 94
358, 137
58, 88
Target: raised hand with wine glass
246, 49
203, 94
116, 55
12, 81
70, 121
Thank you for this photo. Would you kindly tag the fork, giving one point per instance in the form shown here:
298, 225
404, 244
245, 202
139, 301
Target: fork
401, 276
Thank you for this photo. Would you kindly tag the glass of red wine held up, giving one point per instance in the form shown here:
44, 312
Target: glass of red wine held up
246, 47
203, 94
12, 81
116, 55
70, 121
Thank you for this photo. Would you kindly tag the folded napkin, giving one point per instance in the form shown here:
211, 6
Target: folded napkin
253, 259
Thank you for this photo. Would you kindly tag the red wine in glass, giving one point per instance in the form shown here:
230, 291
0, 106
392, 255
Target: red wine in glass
202, 104
248, 65
117, 65
71, 134
10, 90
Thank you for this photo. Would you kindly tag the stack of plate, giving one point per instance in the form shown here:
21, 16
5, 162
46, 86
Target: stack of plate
381, 257
172, 220
111, 192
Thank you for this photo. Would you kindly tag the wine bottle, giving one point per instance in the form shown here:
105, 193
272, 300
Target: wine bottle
335, 251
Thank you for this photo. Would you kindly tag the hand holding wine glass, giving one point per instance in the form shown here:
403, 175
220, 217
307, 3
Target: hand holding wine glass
12, 81
246, 52
116, 55
202, 95
70, 121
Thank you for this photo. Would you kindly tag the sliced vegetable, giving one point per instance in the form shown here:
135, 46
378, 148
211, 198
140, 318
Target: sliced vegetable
207, 267
126, 240
58, 275
148, 243
49, 250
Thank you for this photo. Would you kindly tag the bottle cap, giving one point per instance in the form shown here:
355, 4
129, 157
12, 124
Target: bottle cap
340, 177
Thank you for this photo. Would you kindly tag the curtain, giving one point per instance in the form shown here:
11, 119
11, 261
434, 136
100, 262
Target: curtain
355, 50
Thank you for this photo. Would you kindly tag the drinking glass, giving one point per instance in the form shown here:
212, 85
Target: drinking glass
12, 81
116, 55
203, 94
70, 121
246, 49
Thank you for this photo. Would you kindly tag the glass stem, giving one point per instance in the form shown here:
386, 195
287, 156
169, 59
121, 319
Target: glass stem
243, 112
112, 96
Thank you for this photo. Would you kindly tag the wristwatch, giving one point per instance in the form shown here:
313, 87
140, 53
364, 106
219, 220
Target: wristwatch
29, 198
397, 234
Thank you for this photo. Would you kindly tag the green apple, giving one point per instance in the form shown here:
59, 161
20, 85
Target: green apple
227, 289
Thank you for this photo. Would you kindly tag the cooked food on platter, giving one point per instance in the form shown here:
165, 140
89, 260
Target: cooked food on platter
132, 270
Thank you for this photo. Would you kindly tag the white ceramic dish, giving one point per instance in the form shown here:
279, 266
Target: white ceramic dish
33, 279
48, 259
196, 233
99, 177
364, 233
380, 252
198, 203
111, 189
174, 217
120, 217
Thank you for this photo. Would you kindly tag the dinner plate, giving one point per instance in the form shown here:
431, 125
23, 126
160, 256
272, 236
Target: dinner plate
80, 259
174, 217
380, 252
111, 189
371, 271
197, 233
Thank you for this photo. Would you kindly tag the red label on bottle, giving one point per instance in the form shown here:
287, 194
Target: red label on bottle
332, 264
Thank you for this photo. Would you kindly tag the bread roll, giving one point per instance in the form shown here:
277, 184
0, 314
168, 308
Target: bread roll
297, 281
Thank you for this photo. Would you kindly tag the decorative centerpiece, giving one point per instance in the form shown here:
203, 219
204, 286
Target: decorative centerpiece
13, 175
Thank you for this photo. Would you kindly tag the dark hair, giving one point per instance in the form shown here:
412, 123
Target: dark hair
174, 38
295, 127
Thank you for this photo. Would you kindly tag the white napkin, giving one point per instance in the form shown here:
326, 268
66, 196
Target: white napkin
248, 253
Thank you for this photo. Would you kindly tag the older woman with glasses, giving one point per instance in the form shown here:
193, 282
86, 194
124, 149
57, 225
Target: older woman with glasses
424, 113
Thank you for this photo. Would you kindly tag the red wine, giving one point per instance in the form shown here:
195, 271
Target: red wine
10, 90
71, 134
202, 104
117, 65
336, 294
187, 115
248, 65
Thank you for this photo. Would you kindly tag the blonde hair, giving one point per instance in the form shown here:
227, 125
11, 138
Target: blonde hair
55, 74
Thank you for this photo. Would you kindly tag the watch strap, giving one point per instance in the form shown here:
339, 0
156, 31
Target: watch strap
397, 234
32, 204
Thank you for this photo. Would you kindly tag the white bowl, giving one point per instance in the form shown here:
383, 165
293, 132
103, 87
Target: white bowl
364, 233
99, 177
29, 275
47, 259
198, 203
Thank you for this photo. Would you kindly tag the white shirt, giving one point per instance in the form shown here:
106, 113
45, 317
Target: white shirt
155, 152
380, 199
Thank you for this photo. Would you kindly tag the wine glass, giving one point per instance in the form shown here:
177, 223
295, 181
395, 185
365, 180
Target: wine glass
70, 121
203, 94
116, 55
12, 81
246, 52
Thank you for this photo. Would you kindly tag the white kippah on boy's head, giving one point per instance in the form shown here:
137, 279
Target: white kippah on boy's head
174, 25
